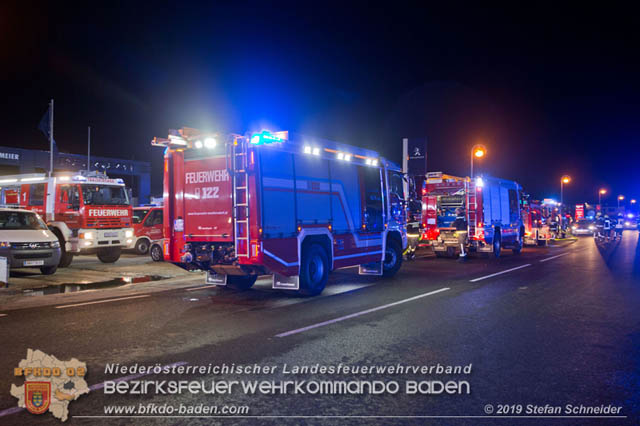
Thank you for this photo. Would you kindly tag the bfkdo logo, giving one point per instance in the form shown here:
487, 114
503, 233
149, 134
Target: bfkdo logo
37, 396
49, 383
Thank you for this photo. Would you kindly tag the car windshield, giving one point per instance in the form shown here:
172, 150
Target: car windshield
20, 221
109, 195
584, 222
138, 215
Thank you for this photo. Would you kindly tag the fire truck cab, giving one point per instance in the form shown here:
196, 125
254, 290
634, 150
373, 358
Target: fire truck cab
492, 210
282, 205
88, 212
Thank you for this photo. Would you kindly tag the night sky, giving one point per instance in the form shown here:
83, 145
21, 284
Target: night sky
548, 91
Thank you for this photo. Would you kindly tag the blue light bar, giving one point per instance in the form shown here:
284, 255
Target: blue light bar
265, 138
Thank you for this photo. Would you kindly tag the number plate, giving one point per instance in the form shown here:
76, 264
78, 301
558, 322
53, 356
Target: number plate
110, 234
33, 262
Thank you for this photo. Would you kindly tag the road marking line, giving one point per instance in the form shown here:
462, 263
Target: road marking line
97, 386
553, 257
499, 273
357, 314
102, 301
3, 315
202, 287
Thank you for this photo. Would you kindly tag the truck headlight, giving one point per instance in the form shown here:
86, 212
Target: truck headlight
86, 235
128, 234
55, 244
592, 228
5, 244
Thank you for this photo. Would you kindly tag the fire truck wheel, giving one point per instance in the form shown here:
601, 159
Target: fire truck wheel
497, 246
241, 282
542, 243
109, 254
49, 270
156, 253
519, 244
65, 259
142, 246
392, 258
314, 270
440, 254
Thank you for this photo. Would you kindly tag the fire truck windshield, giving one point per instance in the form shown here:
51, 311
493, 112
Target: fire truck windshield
20, 220
101, 195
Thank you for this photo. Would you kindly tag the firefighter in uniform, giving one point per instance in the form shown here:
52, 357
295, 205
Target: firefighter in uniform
599, 234
461, 231
607, 227
619, 226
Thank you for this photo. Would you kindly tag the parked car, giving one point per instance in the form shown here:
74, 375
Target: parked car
583, 227
27, 242
631, 223
147, 227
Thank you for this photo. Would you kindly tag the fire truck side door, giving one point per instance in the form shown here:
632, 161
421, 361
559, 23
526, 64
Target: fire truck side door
153, 224
67, 205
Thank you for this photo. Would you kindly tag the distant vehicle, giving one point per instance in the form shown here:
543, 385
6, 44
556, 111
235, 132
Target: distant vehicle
583, 227
147, 227
492, 208
536, 231
26, 241
630, 222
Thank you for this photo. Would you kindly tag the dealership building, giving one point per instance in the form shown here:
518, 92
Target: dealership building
136, 174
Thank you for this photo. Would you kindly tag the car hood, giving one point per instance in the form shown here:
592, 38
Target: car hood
27, 236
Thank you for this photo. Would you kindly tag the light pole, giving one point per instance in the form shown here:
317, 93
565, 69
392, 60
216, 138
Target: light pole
478, 151
600, 194
620, 198
563, 180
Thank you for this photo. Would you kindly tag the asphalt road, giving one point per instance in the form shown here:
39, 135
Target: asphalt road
555, 325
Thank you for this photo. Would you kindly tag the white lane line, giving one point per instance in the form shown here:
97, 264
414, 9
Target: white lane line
102, 301
3, 315
14, 410
202, 287
553, 257
357, 314
499, 273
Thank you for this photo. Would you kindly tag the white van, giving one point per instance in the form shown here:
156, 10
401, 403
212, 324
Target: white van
26, 241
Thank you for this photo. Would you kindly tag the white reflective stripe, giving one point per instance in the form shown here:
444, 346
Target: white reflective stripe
357, 255
285, 263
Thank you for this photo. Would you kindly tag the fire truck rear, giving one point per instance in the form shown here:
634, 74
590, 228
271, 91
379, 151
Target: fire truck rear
277, 204
536, 231
88, 212
492, 210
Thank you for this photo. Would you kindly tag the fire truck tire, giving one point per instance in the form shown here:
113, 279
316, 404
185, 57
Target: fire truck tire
156, 253
65, 258
49, 270
241, 282
109, 254
542, 243
440, 254
519, 244
497, 245
142, 246
392, 258
314, 270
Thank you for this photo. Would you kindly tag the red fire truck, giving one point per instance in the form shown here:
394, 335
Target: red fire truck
279, 204
492, 209
536, 230
88, 212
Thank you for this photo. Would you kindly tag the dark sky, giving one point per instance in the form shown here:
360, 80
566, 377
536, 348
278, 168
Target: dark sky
549, 91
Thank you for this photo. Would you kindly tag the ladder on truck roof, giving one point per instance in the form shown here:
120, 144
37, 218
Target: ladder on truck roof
239, 165
472, 208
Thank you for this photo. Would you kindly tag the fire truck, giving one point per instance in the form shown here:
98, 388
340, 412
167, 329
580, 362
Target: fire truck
87, 211
491, 206
279, 204
536, 230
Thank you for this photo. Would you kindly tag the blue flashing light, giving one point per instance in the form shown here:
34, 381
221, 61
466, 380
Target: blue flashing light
265, 138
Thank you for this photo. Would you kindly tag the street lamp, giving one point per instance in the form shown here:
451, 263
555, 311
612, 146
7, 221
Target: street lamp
633, 201
620, 198
600, 194
478, 151
563, 180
